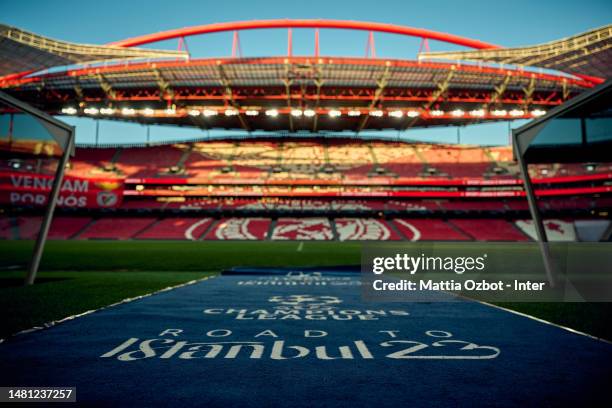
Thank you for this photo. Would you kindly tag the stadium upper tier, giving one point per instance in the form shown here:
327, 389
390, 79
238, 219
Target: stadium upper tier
316, 161
587, 54
25, 52
313, 93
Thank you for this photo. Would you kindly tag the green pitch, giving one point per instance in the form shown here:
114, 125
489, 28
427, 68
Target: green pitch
77, 276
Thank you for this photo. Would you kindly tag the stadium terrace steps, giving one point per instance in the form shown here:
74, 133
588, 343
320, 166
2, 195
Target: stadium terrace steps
476, 205
91, 161
369, 229
195, 205
27, 227
64, 227
412, 205
348, 206
570, 203
489, 229
146, 161
176, 228
297, 229
428, 230
603, 202
143, 204
302, 229
116, 228
305, 158
239, 229
7, 229
517, 205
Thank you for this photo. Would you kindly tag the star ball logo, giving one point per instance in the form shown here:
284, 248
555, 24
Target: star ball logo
305, 302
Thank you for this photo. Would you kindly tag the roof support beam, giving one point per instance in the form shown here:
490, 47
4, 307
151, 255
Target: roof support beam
287, 82
381, 85
528, 91
229, 95
106, 87
165, 90
498, 92
566, 91
318, 84
78, 90
442, 87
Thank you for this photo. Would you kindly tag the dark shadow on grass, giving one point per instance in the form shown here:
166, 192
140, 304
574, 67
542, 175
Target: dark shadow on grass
16, 282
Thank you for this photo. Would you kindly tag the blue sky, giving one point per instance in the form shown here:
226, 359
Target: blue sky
507, 23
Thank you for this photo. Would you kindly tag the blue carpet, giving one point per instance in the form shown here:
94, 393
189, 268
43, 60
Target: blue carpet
256, 339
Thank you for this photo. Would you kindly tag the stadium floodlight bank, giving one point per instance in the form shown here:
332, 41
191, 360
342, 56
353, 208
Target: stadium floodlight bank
63, 135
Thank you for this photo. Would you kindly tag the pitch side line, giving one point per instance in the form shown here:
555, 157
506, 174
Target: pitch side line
121, 302
569, 329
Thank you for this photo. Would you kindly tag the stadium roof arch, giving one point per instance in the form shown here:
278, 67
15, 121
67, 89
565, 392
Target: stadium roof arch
299, 93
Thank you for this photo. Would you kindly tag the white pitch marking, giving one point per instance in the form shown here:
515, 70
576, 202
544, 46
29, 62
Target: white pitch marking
569, 329
300, 247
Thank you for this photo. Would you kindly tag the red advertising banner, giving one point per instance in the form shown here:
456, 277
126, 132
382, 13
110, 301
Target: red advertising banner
372, 181
370, 194
32, 189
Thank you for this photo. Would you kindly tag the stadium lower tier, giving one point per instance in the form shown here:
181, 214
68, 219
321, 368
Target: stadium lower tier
278, 204
294, 229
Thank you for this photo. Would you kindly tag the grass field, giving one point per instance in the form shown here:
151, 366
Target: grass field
77, 276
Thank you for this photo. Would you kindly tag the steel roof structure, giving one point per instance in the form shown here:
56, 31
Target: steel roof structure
316, 93
241, 93
586, 54
25, 52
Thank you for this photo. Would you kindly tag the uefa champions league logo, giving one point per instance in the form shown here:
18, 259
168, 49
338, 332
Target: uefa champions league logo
305, 301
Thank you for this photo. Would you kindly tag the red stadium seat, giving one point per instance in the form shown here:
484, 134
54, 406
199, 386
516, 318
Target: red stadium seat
490, 229
146, 204
91, 161
472, 205
7, 231
343, 159
147, 161
518, 205
65, 227
572, 203
195, 204
27, 227
302, 229
428, 230
412, 205
239, 229
360, 229
603, 202
177, 228
62, 227
116, 228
